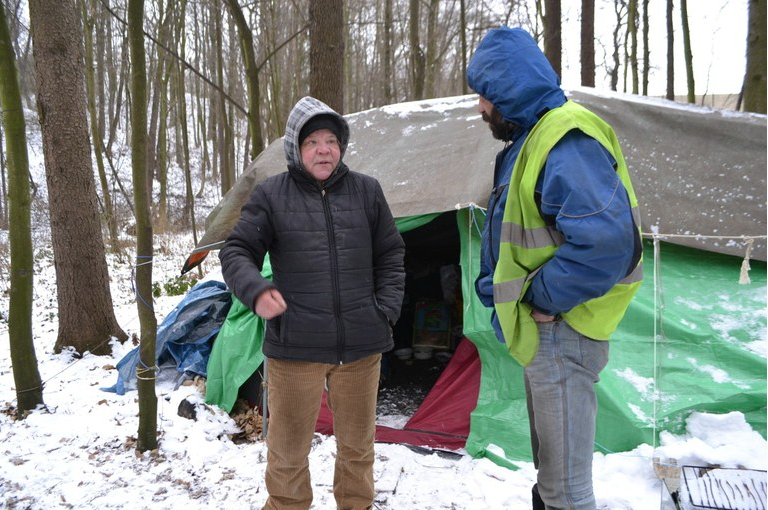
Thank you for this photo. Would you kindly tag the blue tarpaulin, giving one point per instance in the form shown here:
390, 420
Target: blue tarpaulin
185, 337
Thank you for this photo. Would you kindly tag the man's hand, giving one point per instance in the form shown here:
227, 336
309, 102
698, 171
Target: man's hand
540, 317
269, 304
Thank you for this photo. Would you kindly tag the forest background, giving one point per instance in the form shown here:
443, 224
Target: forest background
150, 110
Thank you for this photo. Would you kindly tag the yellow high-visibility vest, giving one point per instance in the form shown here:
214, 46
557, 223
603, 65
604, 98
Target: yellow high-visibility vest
527, 242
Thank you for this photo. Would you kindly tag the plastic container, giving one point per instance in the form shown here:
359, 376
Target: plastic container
422, 352
404, 353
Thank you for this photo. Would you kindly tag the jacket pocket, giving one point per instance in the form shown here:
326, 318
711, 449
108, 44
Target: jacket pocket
275, 330
382, 315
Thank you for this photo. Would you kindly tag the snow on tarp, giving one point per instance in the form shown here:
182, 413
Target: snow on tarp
696, 171
693, 339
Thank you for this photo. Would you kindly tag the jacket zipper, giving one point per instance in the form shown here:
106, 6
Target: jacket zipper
334, 276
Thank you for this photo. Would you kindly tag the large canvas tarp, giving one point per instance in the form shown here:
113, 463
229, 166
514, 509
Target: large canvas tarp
699, 174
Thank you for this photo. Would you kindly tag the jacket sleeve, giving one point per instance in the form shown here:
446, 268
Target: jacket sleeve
388, 259
584, 196
242, 256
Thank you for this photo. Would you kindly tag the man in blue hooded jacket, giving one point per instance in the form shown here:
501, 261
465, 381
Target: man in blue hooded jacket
561, 253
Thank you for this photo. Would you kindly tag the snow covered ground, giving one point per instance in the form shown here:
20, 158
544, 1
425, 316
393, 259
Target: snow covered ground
80, 453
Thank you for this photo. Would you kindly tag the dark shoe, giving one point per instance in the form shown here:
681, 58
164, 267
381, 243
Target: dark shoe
538, 504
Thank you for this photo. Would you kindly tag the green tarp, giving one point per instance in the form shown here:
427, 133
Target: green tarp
693, 339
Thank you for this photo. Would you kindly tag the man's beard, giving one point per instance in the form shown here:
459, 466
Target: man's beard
501, 129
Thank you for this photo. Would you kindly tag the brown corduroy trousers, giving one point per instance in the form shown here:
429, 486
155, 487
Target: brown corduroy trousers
294, 398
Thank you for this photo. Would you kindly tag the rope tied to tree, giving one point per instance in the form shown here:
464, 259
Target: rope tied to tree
143, 370
134, 287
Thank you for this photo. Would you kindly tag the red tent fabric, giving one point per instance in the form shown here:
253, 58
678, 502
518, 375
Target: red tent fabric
442, 420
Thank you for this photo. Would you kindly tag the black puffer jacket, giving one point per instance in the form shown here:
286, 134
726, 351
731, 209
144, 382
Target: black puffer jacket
336, 256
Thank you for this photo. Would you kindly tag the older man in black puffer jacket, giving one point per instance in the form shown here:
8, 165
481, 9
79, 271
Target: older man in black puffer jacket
337, 287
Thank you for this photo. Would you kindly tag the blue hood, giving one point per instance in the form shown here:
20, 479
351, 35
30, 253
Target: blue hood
509, 70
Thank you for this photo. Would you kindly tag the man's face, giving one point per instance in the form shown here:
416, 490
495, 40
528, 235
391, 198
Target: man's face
320, 153
501, 130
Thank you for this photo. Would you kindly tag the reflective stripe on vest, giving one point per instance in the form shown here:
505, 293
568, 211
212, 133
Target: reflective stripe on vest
543, 237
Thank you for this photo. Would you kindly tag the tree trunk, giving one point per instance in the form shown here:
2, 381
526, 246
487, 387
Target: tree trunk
119, 85
551, 20
389, 79
158, 165
162, 147
232, 70
670, 51
157, 131
145, 372
275, 86
588, 43
101, 72
3, 187
251, 77
204, 158
632, 32
223, 138
553, 44
349, 93
418, 61
687, 52
90, 83
86, 318
26, 377
432, 52
646, 48
115, 75
618, 11
213, 22
21, 49
326, 52
202, 129
754, 81
463, 34
182, 123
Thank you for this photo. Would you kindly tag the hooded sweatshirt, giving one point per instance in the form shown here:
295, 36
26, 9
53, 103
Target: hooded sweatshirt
336, 256
578, 191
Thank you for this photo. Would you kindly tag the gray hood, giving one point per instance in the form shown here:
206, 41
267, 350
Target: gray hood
305, 109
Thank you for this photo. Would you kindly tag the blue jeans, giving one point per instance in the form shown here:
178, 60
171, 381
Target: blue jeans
562, 407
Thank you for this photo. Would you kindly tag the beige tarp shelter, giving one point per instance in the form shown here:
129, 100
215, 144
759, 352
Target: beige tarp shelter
696, 171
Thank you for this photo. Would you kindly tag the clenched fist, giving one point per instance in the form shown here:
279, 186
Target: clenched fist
269, 304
